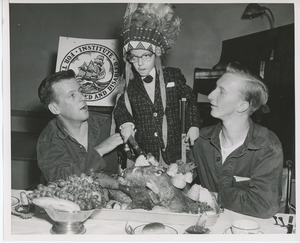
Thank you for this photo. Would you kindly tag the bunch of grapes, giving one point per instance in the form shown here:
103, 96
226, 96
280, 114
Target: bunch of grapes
85, 190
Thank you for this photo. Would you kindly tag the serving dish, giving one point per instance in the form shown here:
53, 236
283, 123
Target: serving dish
14, 201
68, 222
141, 215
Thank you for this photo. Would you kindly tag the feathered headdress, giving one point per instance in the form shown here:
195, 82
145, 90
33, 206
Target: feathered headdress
150, 25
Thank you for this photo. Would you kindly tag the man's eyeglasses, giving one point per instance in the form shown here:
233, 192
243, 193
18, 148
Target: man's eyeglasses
144, 57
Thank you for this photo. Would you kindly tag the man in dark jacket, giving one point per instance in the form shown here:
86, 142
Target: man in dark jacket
237, 159
76, 140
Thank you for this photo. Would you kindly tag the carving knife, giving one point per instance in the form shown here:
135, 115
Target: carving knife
135, 147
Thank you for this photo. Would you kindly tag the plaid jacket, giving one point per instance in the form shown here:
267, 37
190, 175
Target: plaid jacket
148, 117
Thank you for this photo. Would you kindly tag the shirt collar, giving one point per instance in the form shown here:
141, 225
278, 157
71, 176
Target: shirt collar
252, 141
152, 73
61, 132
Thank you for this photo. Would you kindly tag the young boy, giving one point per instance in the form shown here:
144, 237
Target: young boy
149, 108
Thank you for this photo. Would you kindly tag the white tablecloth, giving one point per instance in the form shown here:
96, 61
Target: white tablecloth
41, 224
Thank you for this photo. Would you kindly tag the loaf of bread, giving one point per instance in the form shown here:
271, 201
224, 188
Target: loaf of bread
153, 228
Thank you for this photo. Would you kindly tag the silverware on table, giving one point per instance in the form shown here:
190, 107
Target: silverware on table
290, 225
275, 218
128, 229
281, 219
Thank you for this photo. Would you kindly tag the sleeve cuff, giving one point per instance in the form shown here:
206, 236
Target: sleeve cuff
127, 124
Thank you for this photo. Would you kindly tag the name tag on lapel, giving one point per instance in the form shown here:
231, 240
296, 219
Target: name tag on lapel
170, 84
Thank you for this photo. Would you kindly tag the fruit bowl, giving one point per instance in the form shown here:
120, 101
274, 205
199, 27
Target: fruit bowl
68, 222
67, 216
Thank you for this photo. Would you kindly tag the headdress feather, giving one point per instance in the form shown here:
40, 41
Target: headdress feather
154, 23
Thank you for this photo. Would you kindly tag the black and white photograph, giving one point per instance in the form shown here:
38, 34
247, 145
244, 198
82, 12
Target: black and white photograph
149, 120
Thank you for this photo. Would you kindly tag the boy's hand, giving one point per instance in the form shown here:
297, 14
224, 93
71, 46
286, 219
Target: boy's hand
127, 129
192, 135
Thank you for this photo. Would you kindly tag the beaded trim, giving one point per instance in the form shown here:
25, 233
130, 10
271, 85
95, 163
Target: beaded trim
144, 38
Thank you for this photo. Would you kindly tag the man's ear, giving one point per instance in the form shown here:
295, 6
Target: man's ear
243, 106
53, 108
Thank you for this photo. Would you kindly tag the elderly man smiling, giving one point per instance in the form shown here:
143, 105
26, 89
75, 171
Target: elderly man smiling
239, 160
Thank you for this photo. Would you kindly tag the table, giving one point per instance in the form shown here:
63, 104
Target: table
41, 224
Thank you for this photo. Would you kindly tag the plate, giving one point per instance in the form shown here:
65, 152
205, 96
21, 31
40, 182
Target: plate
168, 230
228, 231
14, 201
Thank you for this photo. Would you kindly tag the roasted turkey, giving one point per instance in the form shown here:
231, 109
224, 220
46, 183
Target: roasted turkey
150, 186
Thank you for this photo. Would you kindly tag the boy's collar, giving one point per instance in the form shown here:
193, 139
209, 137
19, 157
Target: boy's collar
152, 72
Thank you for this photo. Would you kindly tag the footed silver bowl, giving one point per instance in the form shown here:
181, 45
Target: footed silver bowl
68, 222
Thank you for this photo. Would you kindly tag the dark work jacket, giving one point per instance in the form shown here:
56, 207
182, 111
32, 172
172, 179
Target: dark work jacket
147, 117
259, 158
60, 155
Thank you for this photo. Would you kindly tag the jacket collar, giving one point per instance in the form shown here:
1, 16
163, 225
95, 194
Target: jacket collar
61, 131
253, 141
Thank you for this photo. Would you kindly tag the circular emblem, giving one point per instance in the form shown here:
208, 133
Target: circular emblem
96, 67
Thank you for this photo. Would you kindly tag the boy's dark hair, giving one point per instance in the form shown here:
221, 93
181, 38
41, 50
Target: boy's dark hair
45, 90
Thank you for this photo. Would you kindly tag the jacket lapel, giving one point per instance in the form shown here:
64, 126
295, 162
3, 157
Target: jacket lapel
157, 95
141, 91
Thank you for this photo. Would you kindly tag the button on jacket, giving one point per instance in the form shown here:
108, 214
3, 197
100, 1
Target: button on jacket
148, 116
260, 159
60, 155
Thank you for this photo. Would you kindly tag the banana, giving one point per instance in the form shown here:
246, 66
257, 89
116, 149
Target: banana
56, 204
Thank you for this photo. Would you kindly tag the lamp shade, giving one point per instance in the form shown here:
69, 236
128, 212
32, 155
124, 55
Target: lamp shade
253, 10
